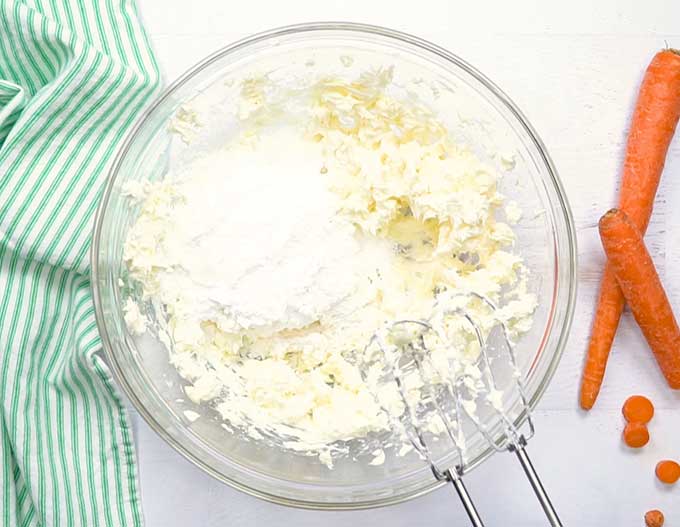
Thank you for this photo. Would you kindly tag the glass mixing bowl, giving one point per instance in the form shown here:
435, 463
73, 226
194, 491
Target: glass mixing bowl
480, 115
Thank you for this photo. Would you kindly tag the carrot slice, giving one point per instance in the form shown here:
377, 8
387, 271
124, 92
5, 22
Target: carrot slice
638, 408
639, 281
654, 518
636, 435
654, 121
668, 471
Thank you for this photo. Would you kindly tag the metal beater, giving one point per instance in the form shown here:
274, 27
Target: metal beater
454, 398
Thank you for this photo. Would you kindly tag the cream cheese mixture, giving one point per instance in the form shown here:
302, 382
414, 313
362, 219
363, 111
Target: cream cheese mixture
277, 257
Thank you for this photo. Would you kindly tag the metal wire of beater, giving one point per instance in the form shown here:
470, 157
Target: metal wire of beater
414, 354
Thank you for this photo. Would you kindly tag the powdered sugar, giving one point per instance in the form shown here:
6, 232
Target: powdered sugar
253, 238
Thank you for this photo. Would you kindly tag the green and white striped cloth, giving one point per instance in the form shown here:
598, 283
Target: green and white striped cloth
74, 74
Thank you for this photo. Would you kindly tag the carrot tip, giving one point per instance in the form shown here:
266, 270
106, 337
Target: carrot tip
586, 402
610, 215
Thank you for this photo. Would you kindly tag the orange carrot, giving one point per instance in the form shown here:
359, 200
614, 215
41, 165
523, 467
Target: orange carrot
634, 269
654, 121
668, 471
638, 409
636, 435
654, 518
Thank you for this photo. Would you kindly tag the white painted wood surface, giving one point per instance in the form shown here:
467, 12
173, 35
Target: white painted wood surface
573, 67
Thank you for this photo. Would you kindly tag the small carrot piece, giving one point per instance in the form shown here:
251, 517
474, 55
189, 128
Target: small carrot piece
667, 471
639, 281
636, 435
638, 409
654, 518
655, 118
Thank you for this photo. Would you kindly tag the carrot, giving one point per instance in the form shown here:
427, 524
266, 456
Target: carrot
654, 121
636, 435
668, 471
654, 518
638, 409
640, 284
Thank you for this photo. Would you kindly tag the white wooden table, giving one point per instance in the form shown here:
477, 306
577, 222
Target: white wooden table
573, 67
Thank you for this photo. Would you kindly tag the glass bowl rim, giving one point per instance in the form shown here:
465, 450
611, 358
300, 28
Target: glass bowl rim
310, 27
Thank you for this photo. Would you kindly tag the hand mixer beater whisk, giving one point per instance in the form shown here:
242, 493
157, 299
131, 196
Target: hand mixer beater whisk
456, 391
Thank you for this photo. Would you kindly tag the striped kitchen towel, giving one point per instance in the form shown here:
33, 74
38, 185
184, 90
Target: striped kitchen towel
74, 74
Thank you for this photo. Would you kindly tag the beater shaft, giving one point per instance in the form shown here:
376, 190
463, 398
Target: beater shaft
532, 476
465, 499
